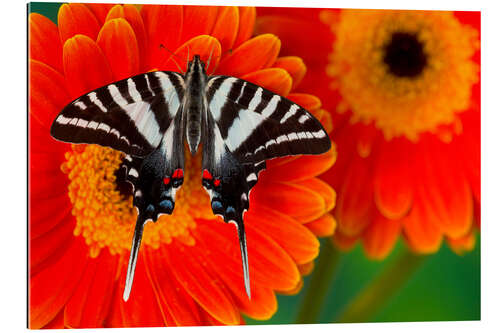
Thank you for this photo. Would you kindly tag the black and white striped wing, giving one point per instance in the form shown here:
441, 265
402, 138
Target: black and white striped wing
130, 115
246, 125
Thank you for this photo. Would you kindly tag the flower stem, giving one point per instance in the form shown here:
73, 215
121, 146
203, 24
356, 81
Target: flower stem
321, 280
377, 294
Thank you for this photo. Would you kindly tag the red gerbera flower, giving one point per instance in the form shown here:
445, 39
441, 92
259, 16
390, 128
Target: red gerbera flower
404, 95
80, 224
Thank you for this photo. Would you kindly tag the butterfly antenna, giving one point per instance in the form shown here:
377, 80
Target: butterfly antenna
244, 256
173, 58
134, 251
210, 56
187, 62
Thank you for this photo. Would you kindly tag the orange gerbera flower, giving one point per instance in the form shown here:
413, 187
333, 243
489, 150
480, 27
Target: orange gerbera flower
81, 220
404, 94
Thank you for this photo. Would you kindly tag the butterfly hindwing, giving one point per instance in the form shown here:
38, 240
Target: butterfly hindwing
130, 115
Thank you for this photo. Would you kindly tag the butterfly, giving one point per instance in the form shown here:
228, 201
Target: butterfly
150, 116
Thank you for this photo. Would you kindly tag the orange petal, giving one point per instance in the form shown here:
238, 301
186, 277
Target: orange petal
85, 65
323, 226
200, 282
207, 47
306, 269
294, 66
57, 322
380, 237
422, 234
275, 79
292, 236
307, 101
463, 244
226, 27
246, 24
325, 118
100, 10
393, 191
89, 305
344, 242
293, 291
47, 93
254, 54
445, 188
354, 205
44, 216
50, 289
44, 42
173, 298
134, 18
198, 20
118, 42
162, 24
294, 200
303, 167
322, 188
76, 19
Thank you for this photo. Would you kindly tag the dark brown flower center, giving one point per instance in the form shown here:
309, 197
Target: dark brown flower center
404, 55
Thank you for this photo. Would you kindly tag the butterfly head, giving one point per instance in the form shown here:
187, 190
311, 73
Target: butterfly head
197, 65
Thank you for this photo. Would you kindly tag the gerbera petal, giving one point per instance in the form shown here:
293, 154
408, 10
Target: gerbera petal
79, 54
463, 244
300, 168
254, 54
292, 236
422, 234
163, 27
100, 10
76, 19
44, 42
134, 313
275, 79
380, 237
134, 18
171, 295
393, 189
294, 200
306, 269
445, 187
118, 42
323, 226
43, 217
41, 141
354, 204
200, 283
226, 27
322, 188
57, 322
47, 93
307, 101
294, 66
198, 20
47, 186
207, 47
51, 288
89, 305
246, 24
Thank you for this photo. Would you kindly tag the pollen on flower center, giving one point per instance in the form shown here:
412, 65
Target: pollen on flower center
105, 217
405, 71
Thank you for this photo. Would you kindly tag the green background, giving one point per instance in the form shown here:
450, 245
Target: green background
445, 287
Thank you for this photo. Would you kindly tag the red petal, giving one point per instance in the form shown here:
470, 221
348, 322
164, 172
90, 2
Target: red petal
76, 18
162, 24
46, 214
246, 24
343, 241
100, 10
393, 190
323, 226
89, 305
256, 53
380, 237
200, 282
198, 20
51, 288
322, 188
290, 235
118, 42
276, 80
307, 101
226, 27
44, 41
85, 65
294, 66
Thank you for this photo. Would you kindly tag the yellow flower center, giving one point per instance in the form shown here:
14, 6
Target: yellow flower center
405, 71
106, 218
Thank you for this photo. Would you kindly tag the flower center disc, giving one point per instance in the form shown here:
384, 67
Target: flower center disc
106, 218
405, 71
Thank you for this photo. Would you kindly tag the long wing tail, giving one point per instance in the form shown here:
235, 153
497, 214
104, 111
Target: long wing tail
134, 251
244, 256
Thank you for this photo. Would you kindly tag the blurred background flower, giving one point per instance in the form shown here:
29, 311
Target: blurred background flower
81, 219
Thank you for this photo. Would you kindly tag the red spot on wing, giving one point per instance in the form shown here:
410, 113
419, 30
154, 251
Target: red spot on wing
217, 182
178, 173
207, 174
166, 180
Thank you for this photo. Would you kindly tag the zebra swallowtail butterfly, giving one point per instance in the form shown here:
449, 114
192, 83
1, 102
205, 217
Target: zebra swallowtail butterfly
149, 116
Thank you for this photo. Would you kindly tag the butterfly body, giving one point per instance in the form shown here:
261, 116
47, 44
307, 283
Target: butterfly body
149, 117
